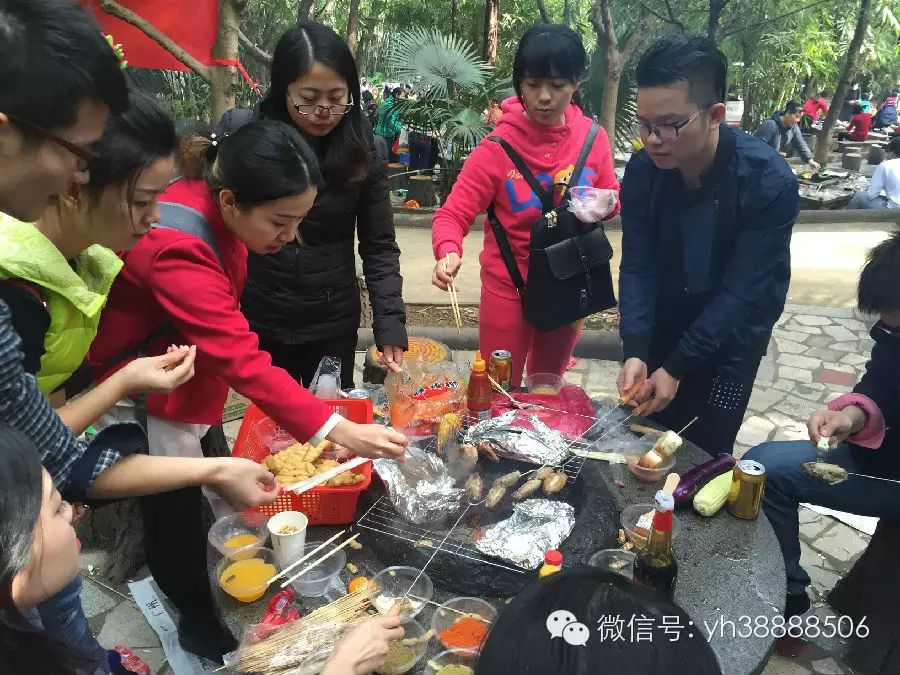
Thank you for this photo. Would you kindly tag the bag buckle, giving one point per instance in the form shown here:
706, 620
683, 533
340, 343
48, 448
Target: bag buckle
550, 216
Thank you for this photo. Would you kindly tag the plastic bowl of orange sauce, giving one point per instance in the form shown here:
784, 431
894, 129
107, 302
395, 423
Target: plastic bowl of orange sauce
247, 579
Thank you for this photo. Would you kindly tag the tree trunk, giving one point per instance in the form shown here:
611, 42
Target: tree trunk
542, 8
716, 7
749, 94
610, 102
362, 54
223, 79
304, 9
454, 12
567, 13
847, 75
491, 31
353, 25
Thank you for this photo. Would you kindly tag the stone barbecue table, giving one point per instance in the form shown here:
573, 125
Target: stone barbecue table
728, 569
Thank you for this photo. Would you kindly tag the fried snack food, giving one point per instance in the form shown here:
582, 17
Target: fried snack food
302, 460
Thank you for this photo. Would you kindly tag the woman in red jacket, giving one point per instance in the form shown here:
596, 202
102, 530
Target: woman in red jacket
251, 191
548, 129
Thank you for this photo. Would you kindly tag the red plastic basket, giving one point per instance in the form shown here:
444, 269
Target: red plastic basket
322, 505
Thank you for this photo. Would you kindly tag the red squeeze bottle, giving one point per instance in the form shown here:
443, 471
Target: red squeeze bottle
479, 393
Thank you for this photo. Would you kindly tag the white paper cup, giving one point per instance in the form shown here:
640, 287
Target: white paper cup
288, 547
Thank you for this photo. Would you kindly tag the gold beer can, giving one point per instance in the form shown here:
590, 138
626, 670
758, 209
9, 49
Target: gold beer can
747, 486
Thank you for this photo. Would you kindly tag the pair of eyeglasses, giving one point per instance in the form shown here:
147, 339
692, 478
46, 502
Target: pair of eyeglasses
668, 132
315, 109
84, 155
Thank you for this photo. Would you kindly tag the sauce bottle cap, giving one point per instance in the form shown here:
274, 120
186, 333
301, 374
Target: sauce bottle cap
553, 557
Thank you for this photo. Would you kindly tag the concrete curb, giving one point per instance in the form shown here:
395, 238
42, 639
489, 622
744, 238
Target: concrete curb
594, 344
862, 219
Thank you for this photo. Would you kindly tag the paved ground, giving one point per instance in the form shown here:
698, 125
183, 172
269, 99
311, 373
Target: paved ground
815, 355
825, 262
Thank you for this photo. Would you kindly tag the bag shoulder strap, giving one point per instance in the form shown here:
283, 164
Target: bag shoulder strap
545, 196
190, 221
506, 252
582, 158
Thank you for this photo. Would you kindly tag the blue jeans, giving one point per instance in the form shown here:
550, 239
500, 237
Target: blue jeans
862, 200
788, 486
63, 618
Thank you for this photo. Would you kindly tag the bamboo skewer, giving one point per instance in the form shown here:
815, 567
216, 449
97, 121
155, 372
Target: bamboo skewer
685, 427
306, 557
324, 557
454, 298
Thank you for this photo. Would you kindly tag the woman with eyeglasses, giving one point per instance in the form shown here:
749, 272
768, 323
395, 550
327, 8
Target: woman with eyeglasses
304, 301
544, 125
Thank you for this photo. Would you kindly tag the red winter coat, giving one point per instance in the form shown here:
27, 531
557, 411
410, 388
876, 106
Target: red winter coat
176, 277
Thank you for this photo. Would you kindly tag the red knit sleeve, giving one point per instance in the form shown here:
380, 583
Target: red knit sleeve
473, 192
188, 283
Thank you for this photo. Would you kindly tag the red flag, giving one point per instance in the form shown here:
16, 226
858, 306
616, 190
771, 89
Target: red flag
191, 24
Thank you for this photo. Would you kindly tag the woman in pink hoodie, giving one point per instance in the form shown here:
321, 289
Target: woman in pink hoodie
544, 125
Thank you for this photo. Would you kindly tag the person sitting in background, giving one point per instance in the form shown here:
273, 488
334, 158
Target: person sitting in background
884, 190
388, 124
816, 104
782, 129
866, 102
493, 114
850, 100
855, 424
858, 128
522, 638
887, 113
39, 557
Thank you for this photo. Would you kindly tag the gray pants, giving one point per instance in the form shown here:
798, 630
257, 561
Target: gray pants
862, 200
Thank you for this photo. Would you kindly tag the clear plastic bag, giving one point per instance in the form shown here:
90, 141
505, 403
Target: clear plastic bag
423, 394
590, 204
327, 380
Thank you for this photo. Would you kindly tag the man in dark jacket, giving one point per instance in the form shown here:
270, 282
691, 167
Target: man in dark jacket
783, 129
862, 430
707, 214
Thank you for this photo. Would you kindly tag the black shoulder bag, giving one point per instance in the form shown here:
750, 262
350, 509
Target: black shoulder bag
568, 263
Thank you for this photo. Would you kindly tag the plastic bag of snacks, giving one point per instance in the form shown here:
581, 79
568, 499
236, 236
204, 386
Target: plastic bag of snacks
590, 204
423, 394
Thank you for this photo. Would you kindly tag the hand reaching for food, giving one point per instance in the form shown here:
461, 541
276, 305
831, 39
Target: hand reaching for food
835, 425
366, 647
370, 440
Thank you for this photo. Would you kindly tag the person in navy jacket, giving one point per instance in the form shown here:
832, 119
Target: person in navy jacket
707, 214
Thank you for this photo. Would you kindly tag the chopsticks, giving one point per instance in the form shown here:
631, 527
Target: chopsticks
316, 562
306, 557
454, 297
319, 478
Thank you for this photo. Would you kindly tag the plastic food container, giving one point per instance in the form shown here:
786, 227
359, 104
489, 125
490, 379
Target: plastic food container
546, 384
451, 657
397, 582
247, 579
314, 583
630, 516
649, 475
273, 436
413, 630
452, 610
232, 533
614, 560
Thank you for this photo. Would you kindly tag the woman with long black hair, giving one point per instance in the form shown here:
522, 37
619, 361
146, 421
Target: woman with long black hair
304, 301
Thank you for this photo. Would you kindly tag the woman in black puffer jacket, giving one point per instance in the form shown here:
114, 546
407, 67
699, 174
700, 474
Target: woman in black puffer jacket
304, 301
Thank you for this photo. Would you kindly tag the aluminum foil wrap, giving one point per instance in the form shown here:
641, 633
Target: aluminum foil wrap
536, 526
537, 445
421, 489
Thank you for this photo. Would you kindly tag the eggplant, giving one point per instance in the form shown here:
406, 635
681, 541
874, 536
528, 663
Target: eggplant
700, 475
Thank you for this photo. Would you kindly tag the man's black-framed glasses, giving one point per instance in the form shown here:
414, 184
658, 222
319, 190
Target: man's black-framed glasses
668, 132
84, 155
316, 109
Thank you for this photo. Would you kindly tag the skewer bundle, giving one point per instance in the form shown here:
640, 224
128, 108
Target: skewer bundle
307, 642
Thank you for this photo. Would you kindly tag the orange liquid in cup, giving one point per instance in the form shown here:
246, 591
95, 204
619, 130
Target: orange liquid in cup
245, 580
240, 541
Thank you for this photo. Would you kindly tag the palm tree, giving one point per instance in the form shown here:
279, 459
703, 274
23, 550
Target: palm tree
453, 86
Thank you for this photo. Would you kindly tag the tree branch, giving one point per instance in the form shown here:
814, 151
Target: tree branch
542, 8
670, 19
608, 27
115, 9
257, 53
632, 43
769, 21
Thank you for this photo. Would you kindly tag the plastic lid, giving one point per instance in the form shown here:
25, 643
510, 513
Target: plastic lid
664, 501
478, 365
553, 557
